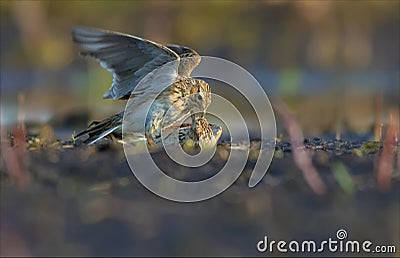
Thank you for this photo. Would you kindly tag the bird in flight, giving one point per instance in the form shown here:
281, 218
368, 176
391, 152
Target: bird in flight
154, 77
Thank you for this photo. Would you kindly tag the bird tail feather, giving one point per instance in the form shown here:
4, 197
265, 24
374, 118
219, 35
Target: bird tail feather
100, 129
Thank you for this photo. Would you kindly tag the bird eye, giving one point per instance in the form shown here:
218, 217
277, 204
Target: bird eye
199, 97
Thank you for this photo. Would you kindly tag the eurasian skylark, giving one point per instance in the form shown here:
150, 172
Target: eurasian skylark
154, 77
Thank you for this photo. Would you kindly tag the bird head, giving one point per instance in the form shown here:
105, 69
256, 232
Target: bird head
200, 96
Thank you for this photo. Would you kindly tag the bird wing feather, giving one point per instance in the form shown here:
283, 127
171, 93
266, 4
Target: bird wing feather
130, 58
189, 59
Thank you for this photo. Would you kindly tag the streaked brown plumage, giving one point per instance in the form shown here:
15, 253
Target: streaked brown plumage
201, 133
191, 88
142, 69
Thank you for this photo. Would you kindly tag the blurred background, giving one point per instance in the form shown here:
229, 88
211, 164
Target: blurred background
336, 64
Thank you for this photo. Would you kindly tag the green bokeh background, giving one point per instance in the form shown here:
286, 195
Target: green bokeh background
330, 57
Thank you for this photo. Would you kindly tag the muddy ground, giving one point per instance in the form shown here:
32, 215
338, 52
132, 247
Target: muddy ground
84, 200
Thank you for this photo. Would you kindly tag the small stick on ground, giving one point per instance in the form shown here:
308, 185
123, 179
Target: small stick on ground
300, 156
14, 154
386, 163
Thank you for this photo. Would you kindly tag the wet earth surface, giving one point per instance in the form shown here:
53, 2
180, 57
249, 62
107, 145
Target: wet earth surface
71, 199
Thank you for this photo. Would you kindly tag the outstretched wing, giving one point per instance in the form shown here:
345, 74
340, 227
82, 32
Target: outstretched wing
129, 58
189, 59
